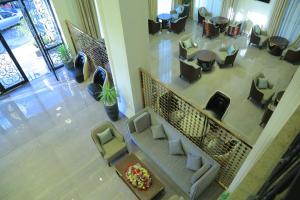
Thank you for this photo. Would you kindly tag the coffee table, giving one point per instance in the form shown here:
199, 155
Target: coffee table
156, 187
206, 59
277, 44
221, 22
165, 19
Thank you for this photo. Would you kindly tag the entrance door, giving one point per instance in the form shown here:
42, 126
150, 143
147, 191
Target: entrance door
11, 74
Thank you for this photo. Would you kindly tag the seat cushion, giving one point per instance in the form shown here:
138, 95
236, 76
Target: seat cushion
175, 147
187, 43
263, 39
193, 162
105, 136
158, 132
142, 122
262, 83
112, 148
191, 52
222, 55
268, 93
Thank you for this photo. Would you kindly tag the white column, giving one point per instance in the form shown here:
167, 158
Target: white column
127, 40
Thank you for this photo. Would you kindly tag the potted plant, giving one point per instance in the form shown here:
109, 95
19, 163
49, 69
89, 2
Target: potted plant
108, 97
65, 56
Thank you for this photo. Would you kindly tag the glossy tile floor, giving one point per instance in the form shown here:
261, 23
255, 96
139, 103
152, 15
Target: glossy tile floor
243, 117
46, 151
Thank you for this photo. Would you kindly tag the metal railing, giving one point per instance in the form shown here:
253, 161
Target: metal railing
206, 132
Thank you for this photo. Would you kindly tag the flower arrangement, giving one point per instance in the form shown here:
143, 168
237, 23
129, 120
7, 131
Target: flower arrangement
138, 176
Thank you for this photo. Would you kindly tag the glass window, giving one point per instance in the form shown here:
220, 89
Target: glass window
164, 6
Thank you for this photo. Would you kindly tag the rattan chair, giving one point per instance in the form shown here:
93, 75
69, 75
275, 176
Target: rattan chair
210, 30
189, 71
153, 26
258, 37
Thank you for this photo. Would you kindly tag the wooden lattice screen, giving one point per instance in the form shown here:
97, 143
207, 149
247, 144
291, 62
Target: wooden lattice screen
95, 49
208, 133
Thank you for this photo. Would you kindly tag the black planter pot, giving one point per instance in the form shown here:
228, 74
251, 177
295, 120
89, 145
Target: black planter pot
112, 112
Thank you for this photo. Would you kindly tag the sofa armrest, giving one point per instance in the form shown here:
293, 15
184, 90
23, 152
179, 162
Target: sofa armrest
98, 144
201, 184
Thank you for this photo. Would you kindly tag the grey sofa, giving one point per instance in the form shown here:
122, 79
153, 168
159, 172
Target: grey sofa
173, 165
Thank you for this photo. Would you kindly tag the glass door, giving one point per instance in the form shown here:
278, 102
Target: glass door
40, 16
11, 74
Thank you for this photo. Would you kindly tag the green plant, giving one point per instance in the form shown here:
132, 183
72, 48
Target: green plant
224, 196
108, 95
64, 53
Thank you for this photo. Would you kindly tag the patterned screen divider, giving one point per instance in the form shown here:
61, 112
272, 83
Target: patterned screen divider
95, 49
208, 133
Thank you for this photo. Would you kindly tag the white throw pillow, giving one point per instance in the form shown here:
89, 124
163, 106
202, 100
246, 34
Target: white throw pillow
262, 83
193, 162
158, 132
105, 136
175, 147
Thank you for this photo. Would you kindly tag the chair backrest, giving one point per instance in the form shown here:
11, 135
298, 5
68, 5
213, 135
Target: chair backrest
231, 58
178, 25
80, 60
184, 38
209, 29
100, 76
202, 11
218, 103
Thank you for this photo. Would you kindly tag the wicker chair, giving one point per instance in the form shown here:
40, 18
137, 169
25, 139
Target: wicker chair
224, 58
292, 53
261, 96
187, 53
100, 77
113, 148
234, 29
179, 25
258, 37
189, 71
203, 14
153, 26
210, 30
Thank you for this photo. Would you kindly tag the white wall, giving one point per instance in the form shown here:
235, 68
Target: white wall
286, 107
255, 11
67, 10
127, 40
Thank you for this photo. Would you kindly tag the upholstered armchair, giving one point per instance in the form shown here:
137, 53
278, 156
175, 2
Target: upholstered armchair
81, 67
258, 37
258, 94
100, 77
187, 48
177, 12
203, 14
179, 25
209, 29
292, 53
153, 26
110, 145
226, 56
189, 70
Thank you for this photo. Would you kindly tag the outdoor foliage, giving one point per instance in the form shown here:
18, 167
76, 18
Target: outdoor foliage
64, 53
224, 196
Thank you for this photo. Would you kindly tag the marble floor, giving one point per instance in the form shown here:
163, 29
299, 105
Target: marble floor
243, 117
46, 151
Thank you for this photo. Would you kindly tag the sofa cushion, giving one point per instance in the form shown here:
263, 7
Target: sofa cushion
187, 43
262, 83
175, 147
230, 50
158, 132
112, 148
193, 162
142, 122
200, 172
105, 136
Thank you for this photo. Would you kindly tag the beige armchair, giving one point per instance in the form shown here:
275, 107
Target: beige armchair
292, 53
187, 52
261, 96
258, 37
114, 147
226, 56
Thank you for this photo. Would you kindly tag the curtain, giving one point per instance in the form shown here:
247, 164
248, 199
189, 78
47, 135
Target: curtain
277, 16
290, 25
175, 2
152, 6
229, 8
213, 6
89, 16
